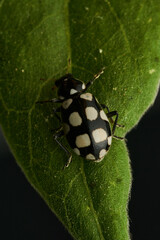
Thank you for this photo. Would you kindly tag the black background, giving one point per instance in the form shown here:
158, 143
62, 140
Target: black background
24, 215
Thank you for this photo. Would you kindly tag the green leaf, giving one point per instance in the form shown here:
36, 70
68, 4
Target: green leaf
37, 40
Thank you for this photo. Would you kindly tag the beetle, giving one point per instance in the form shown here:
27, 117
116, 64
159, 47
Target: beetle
83, 120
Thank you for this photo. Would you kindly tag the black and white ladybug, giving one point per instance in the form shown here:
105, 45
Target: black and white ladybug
83, 120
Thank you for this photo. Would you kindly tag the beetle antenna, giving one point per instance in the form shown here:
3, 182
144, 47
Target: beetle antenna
96, 76
69, 68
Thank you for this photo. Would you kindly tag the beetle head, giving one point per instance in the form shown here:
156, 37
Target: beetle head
68, 85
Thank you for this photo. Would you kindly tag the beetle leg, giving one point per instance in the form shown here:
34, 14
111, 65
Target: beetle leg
105, 106
109, 115
53, 100
55, 110
57, 135
120, 138
54, 131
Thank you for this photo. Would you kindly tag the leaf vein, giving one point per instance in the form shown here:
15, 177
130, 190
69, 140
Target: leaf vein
71, 184
40, 23
91, 203
120, 24
11, 109
1, 3
68, 35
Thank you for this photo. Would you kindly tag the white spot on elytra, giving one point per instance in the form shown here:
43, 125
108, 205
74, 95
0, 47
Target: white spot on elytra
76, 150
83, 86
102, 153
100, 51
86, 96
67, 103
22, 70
151, 71
73, 91
109, 140
90, 156
83, 141
66, 128
91, 113
103, 115
99, 135
75, 119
